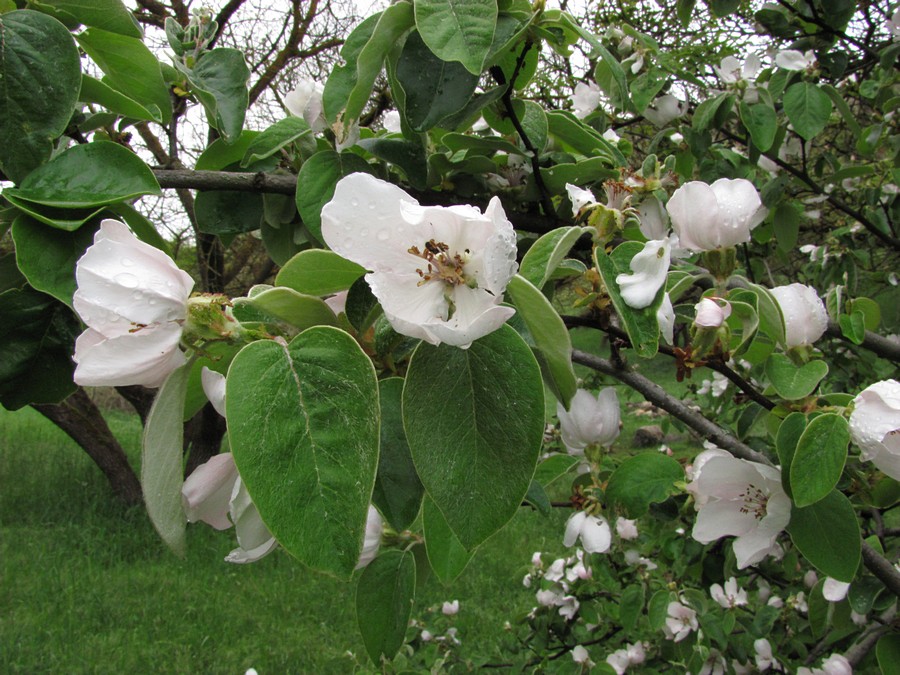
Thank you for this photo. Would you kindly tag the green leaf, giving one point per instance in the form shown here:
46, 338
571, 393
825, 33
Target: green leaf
47, 256
839, 102
220, 155
643, 480
706, 111
474, 420
538, 498
792, 427
318, 272
853, 327
761, 122
162, 472
276, 137
551, 338
458, 30
37, 333
130, 68
545, 255
384, 599
110, 15
791, 381
434, 88
827, 534
87, 176
584, 171
608, 74
284, 305
223, 212
631, 606
581, 138
554, 467
409, 156
96, 91
349, 87
398, 490
819, 460
37, 54
640, 324
303, 427
787, 226
870, 310
808, 108
446, 555
316, 181
532, 117
219, 81
887, 651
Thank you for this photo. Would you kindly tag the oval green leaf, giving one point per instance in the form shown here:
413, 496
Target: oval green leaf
819, 459
643, 480
791, 381
303, 427
827, 534
474, 420
384, 599
446, 555
319, 272
461, 31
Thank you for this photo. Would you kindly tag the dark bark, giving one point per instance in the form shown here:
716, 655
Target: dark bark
203, 437
81, 420
140, 398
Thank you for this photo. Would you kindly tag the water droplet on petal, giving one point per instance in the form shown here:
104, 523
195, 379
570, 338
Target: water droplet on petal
354, 202
383, 235
127, 262
348, 242
364, 232
373, 205
127, 280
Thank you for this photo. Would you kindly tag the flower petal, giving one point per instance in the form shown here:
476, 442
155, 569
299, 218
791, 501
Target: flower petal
145, 357
573, 528
213, 384
207, 491
649, 269
596, 536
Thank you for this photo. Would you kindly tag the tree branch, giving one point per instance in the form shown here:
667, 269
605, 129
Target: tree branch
872, 341
881, 568
678, 409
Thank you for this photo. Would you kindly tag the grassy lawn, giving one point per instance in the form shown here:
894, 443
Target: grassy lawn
86, 586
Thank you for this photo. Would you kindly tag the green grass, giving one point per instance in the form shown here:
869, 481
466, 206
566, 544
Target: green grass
86, 586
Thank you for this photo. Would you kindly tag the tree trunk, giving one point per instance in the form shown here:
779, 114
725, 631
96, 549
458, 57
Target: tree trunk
202, 437
81, 420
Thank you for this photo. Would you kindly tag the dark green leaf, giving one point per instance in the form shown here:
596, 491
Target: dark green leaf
761, 122
384, 599
409, 156
37, 54
819, 459
786, 441
398, 490
808, 108
547, 253
316, 181
110, 15
278, 136
461, 31
303, 427
643, 480
96, 91
219, 81
791, 381
446, 555
223, 212
827, 534
474, 420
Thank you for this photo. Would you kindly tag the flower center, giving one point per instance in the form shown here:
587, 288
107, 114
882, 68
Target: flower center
755, 501
442, 265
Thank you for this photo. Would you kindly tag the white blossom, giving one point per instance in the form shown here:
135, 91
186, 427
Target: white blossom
133, 299
792, 59
590, 420
805, 318
391, 121
585, 99
568, 607
372, 537
681, 620
732, 70
213, 384
653, 217
834, 590
836, 664
593, 531
580, 198
730, 596
580, 655
450, 608
665, 317
305, 100
439, 272
875, 426
711, 312
742, 499
626, 529
708, 217
664, 109
649, 268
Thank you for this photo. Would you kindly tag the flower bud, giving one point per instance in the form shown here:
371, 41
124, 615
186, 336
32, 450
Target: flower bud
805, 318
711, 312
875, 426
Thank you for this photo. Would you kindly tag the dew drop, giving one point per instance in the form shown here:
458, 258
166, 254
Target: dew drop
383, 235
127, 279
364, 232
127, 262
354, 202
373, 205
348, 242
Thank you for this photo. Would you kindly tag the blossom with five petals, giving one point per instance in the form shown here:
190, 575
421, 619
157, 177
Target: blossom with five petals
730, 596
742, 499
133, 299
875, 425
439, 272
305, 100
590, 420
680, 621
732, 70
708, 217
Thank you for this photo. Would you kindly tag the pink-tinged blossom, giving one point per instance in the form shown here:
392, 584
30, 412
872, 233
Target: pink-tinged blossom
836, 664
721, 215
215, 494
556, 571
664, 109
875, 426
593, 531
626, 529
580, 655
590, 420
730, 596
568, 607
305, 100
834, 590
680, 622
133, 299
450, 608
741, 499
711, 312
764, 658
715, 664
213, 384
805, 318
438, 272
